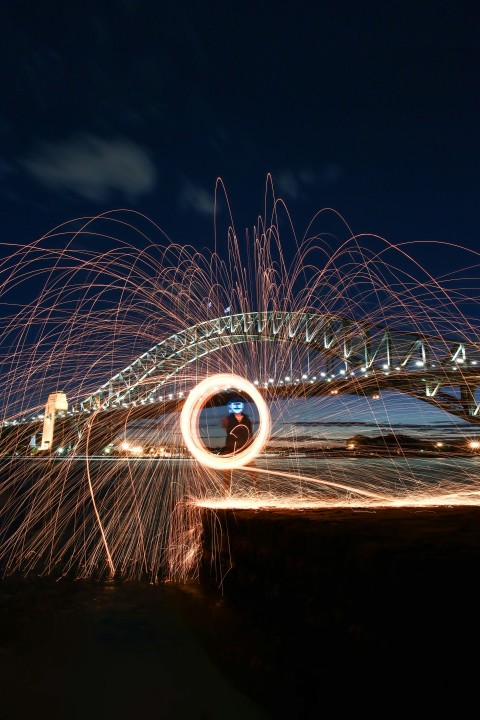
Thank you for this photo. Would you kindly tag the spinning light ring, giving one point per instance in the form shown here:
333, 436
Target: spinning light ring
190, 419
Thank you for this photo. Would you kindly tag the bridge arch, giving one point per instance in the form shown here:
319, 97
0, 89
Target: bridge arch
355, 357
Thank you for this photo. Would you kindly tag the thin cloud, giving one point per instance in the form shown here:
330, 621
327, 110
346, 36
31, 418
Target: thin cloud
291, 183
5, 169
93, 168
330, 175
194, 197
288, 183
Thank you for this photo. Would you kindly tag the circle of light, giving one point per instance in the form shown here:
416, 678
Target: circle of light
190, 419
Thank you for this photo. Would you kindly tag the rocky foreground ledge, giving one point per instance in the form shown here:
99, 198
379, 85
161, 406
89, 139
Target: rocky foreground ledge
348, 599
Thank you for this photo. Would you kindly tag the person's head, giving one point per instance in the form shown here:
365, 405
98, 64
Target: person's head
236, 406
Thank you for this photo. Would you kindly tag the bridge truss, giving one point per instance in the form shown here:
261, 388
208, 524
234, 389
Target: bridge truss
337, 354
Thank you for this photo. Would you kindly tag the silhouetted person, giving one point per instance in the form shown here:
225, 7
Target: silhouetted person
238, 427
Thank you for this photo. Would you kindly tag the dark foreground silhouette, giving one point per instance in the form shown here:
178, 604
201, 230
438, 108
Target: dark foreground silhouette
296, 615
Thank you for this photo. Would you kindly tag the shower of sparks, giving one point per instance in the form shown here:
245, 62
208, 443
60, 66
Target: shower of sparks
73, 315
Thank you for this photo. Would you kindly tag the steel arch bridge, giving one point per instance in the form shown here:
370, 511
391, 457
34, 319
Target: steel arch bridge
357, 358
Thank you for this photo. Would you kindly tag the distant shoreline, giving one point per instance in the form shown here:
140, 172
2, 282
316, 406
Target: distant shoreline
318, 454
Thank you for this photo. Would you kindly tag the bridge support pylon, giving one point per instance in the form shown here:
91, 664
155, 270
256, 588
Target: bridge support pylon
56, 401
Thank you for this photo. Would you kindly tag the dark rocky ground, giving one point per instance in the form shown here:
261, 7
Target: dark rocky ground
346, 608
296, 615
119, 651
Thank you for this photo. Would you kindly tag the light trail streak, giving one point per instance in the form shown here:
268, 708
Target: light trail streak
97, 514
190, 421
93, 295
297, 478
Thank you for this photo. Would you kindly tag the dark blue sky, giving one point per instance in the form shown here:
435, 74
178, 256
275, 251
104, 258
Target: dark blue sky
371, 108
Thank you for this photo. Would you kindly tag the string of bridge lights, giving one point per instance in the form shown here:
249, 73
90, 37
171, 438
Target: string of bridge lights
270, 383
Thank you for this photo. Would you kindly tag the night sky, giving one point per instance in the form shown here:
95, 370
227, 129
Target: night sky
370, 108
